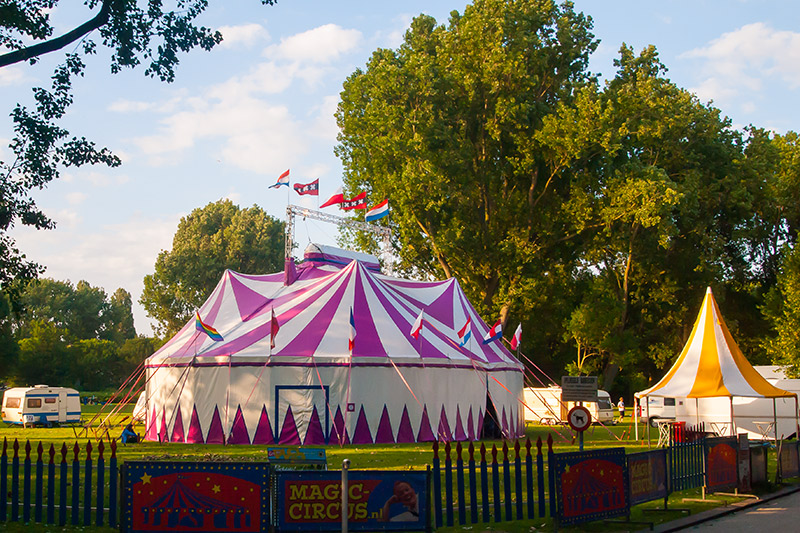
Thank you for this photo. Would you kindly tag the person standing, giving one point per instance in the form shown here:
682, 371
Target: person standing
621, 407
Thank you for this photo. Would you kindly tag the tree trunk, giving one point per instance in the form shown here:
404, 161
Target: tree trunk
609, 375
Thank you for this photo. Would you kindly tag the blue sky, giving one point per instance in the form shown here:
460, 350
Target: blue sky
263, 102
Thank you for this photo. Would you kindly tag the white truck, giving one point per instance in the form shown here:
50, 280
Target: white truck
41, 405
544, 406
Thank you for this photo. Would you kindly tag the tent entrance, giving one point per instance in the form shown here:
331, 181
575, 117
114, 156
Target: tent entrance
491, 424
304, 401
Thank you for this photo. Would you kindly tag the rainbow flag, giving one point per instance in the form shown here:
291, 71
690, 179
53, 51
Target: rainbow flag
199, 325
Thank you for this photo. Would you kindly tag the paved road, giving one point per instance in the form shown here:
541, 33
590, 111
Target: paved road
779, 515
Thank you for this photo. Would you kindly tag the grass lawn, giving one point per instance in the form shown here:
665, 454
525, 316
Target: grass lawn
384, 457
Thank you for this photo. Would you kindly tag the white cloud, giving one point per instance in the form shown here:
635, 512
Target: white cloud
130, 106
326, 127
11, 76
245, 35
111, 256
319, 45
746, 59
76, 198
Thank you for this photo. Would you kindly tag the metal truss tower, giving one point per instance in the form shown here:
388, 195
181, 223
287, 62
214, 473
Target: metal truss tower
381, 231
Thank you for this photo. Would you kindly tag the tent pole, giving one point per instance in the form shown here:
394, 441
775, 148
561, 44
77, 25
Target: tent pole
733, 423
697, 411
636, 417
648, 421
775, 418
796, 422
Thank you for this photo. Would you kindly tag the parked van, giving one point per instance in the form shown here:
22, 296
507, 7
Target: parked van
544, 406
659, 408
41, 404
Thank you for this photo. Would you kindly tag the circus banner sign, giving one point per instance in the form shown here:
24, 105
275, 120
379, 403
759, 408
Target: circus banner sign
591, 485
647, 476
198, 497
377, 501
722, 463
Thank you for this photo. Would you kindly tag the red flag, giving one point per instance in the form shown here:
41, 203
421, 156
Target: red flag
308, 188
275, 328
337, 198
357, 202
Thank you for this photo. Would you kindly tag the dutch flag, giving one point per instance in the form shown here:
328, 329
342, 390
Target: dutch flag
378, 212
283, 179
465, 333
495, 333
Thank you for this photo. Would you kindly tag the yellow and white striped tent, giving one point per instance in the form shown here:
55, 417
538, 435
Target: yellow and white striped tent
712, 365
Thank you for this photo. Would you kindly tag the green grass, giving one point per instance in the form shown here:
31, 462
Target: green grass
384, 457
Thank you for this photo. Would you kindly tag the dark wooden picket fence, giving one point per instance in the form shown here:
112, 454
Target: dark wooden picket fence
491, 489
514, 482
51, 488
686, 457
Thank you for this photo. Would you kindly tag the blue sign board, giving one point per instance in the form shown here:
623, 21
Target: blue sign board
591, 485
647, 476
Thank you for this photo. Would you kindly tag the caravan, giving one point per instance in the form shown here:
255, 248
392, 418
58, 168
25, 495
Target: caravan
544, 406
41, 404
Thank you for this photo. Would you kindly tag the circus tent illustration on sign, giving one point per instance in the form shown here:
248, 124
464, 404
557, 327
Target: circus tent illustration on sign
312, 387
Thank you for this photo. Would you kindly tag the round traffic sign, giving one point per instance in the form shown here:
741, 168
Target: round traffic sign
579, 418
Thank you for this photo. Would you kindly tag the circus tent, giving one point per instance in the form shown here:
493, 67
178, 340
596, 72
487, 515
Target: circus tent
312, 387
711, 366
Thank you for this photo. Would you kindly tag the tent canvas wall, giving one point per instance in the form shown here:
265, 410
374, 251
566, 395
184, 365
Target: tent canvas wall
310, 388
711, 365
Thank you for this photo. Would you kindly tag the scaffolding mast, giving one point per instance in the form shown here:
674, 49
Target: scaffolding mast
382, 231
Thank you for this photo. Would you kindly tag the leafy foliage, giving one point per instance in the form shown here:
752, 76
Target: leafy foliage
136, 32
210, 240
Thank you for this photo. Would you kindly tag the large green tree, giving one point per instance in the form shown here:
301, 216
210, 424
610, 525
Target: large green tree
81, 311
210, 240
445, 127
657, 182
135, 32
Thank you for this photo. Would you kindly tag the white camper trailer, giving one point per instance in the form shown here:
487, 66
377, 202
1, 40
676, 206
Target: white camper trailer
41, 404
544, 406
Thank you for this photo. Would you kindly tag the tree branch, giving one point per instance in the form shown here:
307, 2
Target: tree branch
59, 42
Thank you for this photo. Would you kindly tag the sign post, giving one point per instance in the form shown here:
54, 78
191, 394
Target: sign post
579, 419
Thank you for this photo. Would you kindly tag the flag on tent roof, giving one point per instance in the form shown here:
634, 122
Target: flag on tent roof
517, 338
416, 329
465, 333
356, 202
307, 188
352, 341
199, 325
337, 198
378, 212
274, 328
283, 179
495, 333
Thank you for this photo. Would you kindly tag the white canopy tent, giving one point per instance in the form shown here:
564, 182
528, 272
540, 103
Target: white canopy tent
711, 365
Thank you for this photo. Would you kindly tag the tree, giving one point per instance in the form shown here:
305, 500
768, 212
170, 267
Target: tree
210, 240
445, 126
782, 309
81, 312
134, 34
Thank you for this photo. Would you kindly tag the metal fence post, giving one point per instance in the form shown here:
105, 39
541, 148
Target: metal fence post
345, 494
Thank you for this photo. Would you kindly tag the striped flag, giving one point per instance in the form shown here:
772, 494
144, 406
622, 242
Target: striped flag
307, 188
379, 211
337, 198
494, 333
274, 328
416, 329
465, 333
283, 179
199, 325
517, 338
352, 341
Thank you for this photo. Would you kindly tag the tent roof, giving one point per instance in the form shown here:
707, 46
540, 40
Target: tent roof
712, 365
314, 317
